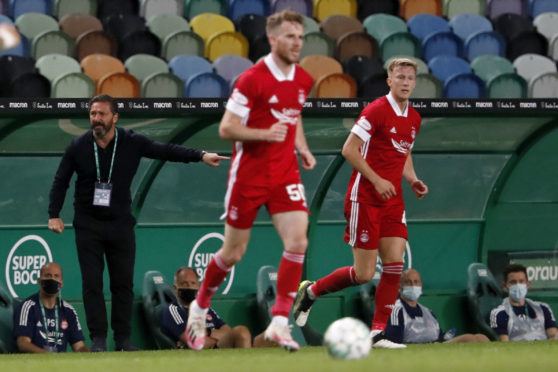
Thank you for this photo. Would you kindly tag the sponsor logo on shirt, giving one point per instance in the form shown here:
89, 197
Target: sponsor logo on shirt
402, 146
287, 115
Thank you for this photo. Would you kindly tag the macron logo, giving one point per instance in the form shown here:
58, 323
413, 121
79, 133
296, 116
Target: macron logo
273, 99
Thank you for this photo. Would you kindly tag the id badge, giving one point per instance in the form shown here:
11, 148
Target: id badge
101, 196
51, 348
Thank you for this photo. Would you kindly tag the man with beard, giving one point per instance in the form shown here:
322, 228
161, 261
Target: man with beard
43, 323
106, 160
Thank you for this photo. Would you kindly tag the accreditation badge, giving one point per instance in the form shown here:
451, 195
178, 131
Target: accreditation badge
101, 195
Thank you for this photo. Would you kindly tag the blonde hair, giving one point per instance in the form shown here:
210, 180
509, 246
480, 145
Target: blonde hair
397, 62
275, 20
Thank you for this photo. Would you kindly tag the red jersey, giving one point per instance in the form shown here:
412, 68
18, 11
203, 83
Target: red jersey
262, 96
388, 136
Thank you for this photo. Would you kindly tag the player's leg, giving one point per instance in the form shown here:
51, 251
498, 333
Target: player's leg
236, 337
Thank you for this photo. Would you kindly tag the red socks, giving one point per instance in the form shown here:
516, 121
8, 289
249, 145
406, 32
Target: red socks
288, 278
341, 278
386, 294
216, 272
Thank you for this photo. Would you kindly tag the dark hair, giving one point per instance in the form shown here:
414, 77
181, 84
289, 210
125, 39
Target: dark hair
514, 268
104, 98
185, 268
275, 20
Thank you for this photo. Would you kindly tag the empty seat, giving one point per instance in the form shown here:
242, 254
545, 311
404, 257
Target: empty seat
30, 84
423, 25
310, 25
410, 8
185, 66
527, 42
464, 85
143, 65
506, 85
401, 43
337, 85
32, 24
317, 43
444, 67
150, 8
547, 24
95, 42
452, 8
53, 65
326, 8
511, 25
259, 48
98, 65
367, 8
139, 42
193, 8
165, 24
553, 48
373, 87
465, 25
489, 66
318, 66
226, 43
52, 42
304, 7
356, 44
19, 7
337, 25
160, 85
251, 26
428, 86
207, 25
107, 8
11, 66
422, 68
482, 43
182, 42
4, 7
76, 24
441, 43
544, 85
360, 68
206, 85
537, 7
238, 8
73, 85
495, 8
381, 26
229, 66
121, 25
65, 7
119, 84
529, 65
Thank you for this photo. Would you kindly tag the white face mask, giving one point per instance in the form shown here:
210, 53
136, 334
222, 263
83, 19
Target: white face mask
411, 292
518, 291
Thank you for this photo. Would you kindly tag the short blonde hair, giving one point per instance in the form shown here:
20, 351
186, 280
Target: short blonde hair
397, 62
275, 20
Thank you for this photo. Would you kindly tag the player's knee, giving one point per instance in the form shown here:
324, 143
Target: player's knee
297, 245
364, 277
479, 337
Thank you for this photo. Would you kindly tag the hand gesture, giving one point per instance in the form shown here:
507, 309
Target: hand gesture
277, 132
56, 225
419, 188
308, 160
385, 188
213, 159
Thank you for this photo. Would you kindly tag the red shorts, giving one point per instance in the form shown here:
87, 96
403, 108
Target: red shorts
244, 202
368, 223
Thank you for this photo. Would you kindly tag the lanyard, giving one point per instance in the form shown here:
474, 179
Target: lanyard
56, 324
112, 160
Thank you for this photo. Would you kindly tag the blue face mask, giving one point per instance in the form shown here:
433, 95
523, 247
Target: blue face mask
518, 291
411, 292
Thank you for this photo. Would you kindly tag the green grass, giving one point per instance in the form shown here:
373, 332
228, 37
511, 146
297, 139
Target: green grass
496, 356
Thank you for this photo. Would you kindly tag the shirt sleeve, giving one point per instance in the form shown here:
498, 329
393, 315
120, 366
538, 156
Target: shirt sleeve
165, 151
24, 320
364, 128
549, 320
395, 327
499, 321
172, 321
61, 181
74, 328
241, 100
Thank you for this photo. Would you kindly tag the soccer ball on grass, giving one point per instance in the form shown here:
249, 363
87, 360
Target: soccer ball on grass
348, 338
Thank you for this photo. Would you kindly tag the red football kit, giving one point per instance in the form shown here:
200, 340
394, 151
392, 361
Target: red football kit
388, 136
261, 172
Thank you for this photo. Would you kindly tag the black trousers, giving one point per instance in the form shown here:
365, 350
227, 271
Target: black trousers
116, 242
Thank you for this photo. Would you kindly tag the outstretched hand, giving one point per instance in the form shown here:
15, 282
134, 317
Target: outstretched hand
213, 159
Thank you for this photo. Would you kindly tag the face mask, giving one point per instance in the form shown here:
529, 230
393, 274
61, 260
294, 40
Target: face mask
50, 286
518, 292
411, 292
187, 295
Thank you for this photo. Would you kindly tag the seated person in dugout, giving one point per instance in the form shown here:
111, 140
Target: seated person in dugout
413, 323
219, 334
519, 318
43, 323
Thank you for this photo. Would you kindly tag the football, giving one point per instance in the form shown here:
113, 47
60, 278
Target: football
348, 338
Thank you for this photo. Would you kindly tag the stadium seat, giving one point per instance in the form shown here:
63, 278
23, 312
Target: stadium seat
53, 65
95, 42
381, 26
464, 85
30, 84
401, 43
373, 87
529, 65
229, 66
121, 25
193, 8
65, 7
4, 7
483, 295
465, 25
157, 293
428, 86
32, 24
318, 66
259, 48
537, 7
336, 85
547, 24
150, 8
544, 85
310, 25
495, 8
98, 65
119, 84
161, 85
317, 43
7, 344
326, 8
182, 42
238, 8
410, 8
483, 43
206, 85
107, 8
506, 85
251, 26
226, 43
423, 25
142, 65
141, 41
165, 24
76, 24
207, 25
422, 68
367, 8
73, 85
441, 43
356, 44
11, 67
445, 66
489, 66
553, 48
512, 25
184, 66
52, 42
304, 7
451, 8
19, 7
338, 25
527, 42
360, 68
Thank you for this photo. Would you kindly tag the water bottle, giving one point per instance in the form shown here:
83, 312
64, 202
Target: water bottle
449, 334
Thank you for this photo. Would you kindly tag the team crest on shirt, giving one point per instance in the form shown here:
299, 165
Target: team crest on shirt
301, 96
413, 132
64, 324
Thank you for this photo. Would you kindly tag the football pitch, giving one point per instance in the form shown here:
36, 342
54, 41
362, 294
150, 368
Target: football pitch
495, 356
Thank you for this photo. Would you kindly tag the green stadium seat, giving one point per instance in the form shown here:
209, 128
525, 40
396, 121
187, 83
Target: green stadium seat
143, 65
54, 65
163, 25
381, 26
483, 295
73, 85
65, 7
182, 42
451, 8
400, 43
157, 293
161, 85
150, 8
317, 43
310, 25
7, 344
506, 85
32, 24
489, 66
193, 8
428, 86
52, 42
